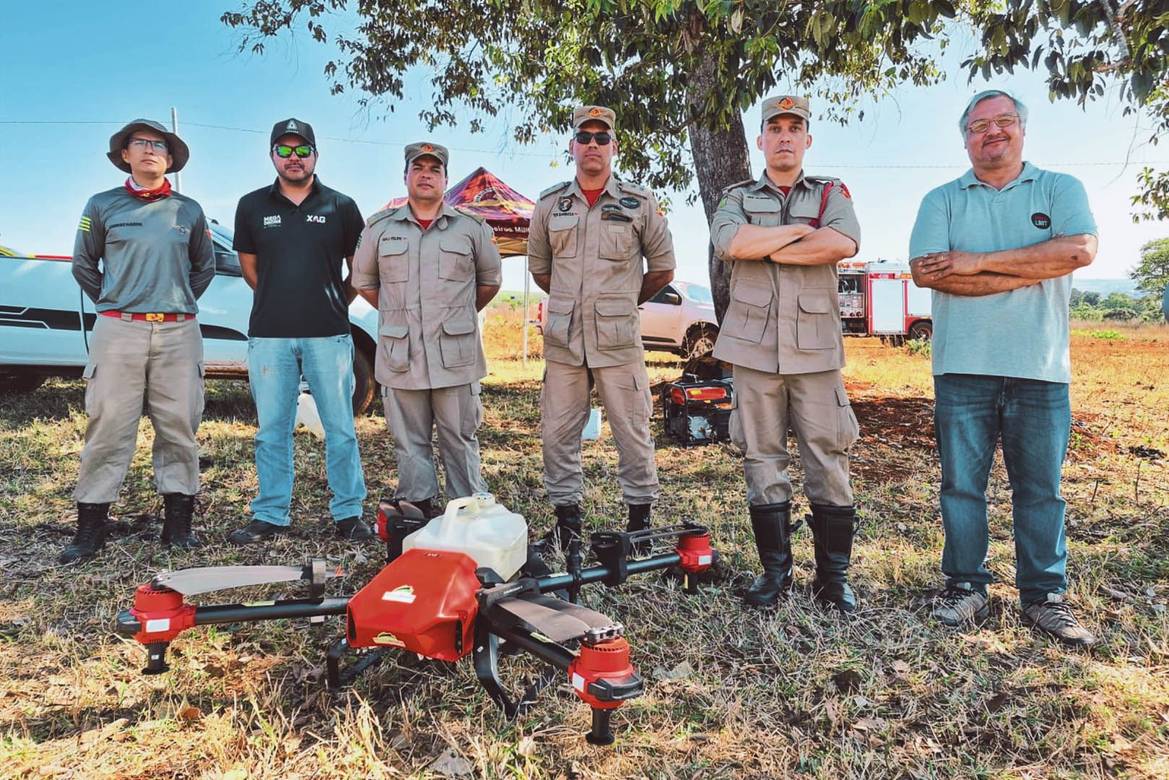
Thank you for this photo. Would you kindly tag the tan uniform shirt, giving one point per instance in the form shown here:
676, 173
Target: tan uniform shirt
782, 318
595, 258
429, 330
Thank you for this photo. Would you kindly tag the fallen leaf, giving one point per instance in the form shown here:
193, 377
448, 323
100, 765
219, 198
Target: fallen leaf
526, 747
451, 764
190, 714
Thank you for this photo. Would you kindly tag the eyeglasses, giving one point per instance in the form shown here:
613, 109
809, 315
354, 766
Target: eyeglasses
583, 137
146, 143
284, 151
980, 126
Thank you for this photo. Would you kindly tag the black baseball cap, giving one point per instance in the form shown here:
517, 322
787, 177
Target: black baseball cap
293, 127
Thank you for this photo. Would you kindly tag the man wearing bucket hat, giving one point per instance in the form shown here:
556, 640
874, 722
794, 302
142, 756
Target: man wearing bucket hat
586, 242
144, 255
783, 235
998, 246
296, 239
429, 268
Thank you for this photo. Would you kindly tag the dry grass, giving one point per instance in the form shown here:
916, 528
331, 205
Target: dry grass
731, 693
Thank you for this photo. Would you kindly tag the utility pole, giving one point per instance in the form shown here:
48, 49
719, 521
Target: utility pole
524, 320
174, 128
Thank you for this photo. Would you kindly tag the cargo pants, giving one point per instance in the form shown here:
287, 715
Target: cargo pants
136, 367
818, 411
564, 412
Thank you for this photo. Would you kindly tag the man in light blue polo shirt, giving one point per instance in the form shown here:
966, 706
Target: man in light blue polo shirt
998, 246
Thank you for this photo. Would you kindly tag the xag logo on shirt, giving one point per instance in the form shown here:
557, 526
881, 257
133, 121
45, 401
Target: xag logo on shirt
272, 221
1041, 220
318, 218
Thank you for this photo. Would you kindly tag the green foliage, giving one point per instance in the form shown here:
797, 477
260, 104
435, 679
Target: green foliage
1116, 307
1152, 273
922, 347
1106, 335
638, 56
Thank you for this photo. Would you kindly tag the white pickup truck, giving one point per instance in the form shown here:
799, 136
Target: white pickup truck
679, 319
45, 322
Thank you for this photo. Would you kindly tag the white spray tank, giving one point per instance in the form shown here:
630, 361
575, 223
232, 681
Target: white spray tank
487, 532
308, 416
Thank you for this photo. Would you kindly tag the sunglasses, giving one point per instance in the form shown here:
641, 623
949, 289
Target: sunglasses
284, 151
583, 137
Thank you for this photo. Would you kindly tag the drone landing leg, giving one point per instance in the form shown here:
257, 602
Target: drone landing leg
338, 678
156, 658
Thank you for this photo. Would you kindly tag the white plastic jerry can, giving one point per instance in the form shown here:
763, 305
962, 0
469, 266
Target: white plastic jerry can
308, 416
476, 525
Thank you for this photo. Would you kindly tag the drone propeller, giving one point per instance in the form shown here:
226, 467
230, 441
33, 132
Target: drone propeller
205, 579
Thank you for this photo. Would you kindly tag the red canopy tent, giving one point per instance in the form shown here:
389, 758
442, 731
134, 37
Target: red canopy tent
507, 211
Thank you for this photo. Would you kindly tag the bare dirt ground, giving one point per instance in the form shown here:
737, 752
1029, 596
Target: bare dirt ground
733, 693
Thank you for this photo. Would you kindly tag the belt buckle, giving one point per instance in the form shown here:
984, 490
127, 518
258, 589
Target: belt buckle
155, 316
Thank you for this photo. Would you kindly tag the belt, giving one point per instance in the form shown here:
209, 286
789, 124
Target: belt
153, 316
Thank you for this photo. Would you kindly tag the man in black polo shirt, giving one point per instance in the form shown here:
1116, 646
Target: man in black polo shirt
293, 238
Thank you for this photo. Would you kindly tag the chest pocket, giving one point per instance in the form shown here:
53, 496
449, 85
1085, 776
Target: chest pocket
804, 212
393, 259
763, 210
454, 259
618, 241
562, 234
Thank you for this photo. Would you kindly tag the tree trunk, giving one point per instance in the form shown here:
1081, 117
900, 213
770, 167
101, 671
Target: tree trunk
720, 159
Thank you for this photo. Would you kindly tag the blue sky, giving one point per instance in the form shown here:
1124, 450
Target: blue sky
67, 62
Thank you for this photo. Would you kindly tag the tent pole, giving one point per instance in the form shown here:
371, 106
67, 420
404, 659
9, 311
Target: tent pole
527, 285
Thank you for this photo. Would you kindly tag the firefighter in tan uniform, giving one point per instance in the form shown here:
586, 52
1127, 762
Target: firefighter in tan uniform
783, 236
429, 268
585, 247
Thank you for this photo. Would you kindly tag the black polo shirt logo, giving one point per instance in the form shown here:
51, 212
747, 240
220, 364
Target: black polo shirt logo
272, 221
317, 218
1041, 220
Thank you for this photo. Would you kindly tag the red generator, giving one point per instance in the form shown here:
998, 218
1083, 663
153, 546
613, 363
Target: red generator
697, 407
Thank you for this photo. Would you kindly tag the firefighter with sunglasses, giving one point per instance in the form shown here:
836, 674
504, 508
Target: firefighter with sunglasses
586, 244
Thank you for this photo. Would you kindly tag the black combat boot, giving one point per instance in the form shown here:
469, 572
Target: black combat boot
772, 526
92, 526
567, 528
639, 521
176, 521
832, 529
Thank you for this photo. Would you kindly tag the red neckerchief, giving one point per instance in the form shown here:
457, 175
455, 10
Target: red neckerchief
424, 223
158, 193
592, 195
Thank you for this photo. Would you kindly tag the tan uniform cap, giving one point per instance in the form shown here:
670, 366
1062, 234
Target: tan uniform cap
786, 104
600, 114
424, 148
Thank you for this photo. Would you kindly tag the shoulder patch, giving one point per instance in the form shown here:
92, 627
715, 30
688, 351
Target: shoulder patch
737, 184
379, 216
633, 189
823, 179
466, 212
553, 189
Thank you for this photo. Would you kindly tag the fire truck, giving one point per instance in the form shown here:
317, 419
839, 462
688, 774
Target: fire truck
880, 299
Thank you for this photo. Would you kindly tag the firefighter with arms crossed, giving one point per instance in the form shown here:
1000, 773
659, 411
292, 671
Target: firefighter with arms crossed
783, 236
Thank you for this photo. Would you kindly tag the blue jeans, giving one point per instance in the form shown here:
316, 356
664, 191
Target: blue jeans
274, 370
1033, 420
